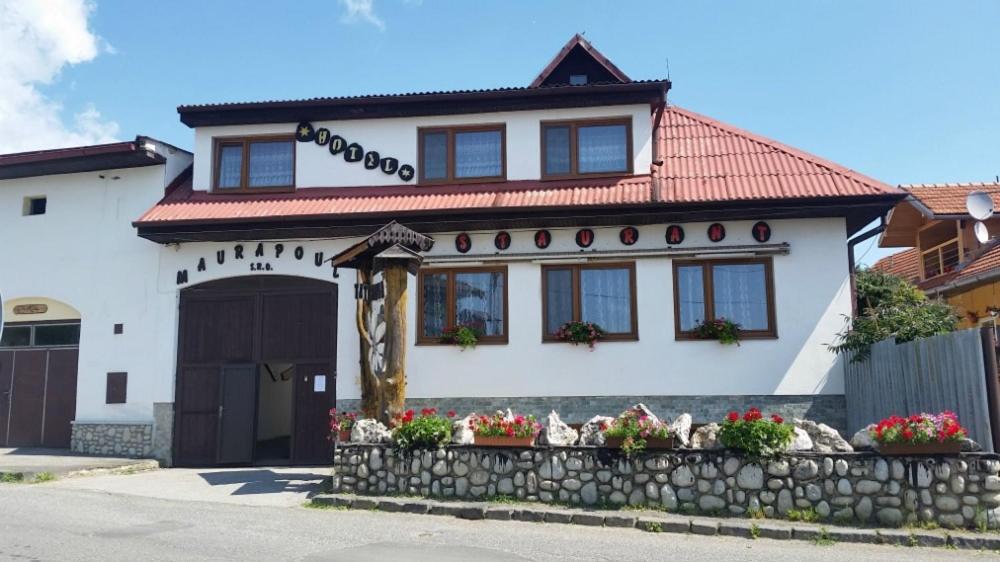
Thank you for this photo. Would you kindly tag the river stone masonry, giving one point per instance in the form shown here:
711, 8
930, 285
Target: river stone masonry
133, 440
957, 491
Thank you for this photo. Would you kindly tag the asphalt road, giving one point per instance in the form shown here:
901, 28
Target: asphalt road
43, 522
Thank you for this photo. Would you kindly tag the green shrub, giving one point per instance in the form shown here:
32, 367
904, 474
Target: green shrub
754, 435
425, 432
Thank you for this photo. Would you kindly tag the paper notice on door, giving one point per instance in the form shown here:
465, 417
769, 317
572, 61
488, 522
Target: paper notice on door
319, 383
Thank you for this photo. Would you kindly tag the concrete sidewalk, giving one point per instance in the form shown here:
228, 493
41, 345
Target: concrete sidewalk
29, 462
277, 487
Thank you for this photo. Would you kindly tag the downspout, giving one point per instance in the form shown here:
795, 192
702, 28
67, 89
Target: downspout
850, 260
657, 162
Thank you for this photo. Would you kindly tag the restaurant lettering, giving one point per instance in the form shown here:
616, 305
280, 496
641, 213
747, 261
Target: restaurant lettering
353, 152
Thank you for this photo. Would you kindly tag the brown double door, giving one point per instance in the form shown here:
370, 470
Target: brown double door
231, 331
37, 389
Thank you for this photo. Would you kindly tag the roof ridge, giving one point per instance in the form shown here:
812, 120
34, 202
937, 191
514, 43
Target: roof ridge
775, 145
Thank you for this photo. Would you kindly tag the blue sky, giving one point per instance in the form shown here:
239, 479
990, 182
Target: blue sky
905, 91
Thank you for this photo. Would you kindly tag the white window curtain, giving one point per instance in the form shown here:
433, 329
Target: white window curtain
606, 299
602, 148
479, 301
740, 294
435, 164
690, 296
478, 154
435, 295
557, 153
271, 164
558, 298
230, 166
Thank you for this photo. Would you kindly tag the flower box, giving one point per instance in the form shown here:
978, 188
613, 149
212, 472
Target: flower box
504, 441
343, 436
932, 448
651, 442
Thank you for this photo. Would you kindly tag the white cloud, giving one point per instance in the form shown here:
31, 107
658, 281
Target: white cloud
363, 10
38, 38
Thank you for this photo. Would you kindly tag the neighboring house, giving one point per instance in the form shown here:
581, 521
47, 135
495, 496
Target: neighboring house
584, 196
946, 259
78, 292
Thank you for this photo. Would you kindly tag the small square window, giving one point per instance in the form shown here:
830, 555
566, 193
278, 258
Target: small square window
119, 329
34, 206
578, 80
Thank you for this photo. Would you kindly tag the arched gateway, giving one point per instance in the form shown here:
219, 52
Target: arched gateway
255, 371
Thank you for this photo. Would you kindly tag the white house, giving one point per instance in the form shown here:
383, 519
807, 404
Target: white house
585, 196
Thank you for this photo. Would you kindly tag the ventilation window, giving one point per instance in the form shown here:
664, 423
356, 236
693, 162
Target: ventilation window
577, 79
34, 206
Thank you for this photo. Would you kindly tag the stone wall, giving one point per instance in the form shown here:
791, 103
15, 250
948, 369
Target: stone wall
953, 491
133, 440
830, 409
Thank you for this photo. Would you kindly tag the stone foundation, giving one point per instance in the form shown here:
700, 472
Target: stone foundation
830, 409
133, 440
959, 491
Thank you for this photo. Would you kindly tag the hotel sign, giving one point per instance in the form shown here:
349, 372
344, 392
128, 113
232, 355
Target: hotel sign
353, 152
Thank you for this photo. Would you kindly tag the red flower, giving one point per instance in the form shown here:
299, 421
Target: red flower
733, 416
777, 419
451, 413
510, 431
907, 433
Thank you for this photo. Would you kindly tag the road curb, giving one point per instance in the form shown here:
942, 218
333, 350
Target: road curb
664, 523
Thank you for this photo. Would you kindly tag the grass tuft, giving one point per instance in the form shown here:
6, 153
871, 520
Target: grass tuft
43, 477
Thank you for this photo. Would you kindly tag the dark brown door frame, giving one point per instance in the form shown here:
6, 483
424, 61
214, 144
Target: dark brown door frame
257, 287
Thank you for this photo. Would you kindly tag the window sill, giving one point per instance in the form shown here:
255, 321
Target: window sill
436, 343
463, 181
743, 337
588, 176
608, 339
251, 190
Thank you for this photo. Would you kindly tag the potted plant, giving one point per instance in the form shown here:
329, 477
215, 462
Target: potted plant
580, 332
341, 424
754, 435
921, 434
726, 331
429, 430
500, 430
634, 432
463, 336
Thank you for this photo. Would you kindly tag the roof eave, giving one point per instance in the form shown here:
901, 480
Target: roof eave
423, 104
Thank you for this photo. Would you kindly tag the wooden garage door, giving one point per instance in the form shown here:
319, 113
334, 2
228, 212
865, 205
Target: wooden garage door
227, 329
38, 378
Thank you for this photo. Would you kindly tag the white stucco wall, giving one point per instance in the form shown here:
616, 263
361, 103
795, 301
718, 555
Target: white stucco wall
84, 252
316, 167
811, 296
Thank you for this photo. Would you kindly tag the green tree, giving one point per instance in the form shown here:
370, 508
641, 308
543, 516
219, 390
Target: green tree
890, 306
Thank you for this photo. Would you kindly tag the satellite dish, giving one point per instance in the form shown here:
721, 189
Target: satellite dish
979, 205
982, 233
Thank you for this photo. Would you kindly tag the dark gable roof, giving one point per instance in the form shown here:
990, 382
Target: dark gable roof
127, 154
578, 56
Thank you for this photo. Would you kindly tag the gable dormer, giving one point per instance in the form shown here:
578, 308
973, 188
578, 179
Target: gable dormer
579, 63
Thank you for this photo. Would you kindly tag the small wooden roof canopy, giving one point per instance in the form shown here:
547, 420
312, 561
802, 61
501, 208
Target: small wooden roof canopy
390, 243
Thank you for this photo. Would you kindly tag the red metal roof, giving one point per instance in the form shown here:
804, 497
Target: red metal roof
949, 198
905, 264
707, 160
704, 161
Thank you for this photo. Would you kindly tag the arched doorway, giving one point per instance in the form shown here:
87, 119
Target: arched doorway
39, 353
255, 371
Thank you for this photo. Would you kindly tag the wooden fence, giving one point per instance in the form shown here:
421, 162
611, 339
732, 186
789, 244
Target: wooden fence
955, 371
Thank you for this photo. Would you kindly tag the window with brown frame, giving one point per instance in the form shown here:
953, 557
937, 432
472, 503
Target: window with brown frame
602, 293
473, 297
463, 154
254, 164
738, 290
594, 147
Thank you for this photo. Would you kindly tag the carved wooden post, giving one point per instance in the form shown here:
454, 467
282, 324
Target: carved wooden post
393, 391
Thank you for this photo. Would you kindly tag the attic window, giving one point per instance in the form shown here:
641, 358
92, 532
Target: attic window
577, 79
34, 206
